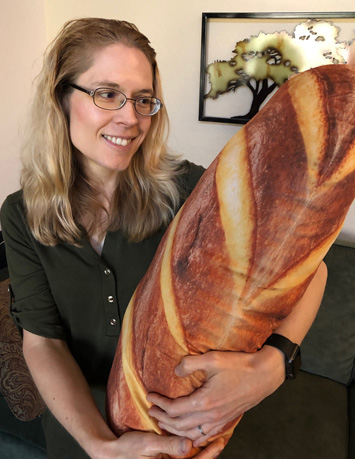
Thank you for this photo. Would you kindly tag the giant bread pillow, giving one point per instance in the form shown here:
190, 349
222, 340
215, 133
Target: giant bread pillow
244, 247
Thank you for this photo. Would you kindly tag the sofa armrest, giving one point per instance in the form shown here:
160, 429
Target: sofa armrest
16, 383
329, 347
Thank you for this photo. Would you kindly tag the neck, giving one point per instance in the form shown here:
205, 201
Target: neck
103, 180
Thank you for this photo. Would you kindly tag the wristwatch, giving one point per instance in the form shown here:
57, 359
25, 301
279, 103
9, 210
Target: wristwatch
291, 350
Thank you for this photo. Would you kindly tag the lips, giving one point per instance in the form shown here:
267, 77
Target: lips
118, 140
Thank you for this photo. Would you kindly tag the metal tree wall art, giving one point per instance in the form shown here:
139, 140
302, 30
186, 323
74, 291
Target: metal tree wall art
263, 62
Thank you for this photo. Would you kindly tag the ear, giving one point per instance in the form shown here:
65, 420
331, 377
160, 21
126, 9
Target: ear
66, 104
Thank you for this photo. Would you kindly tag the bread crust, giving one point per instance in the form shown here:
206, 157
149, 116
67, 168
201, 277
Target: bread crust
245, 245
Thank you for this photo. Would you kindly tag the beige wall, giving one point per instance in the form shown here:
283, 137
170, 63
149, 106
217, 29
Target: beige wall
23, 37
174, 28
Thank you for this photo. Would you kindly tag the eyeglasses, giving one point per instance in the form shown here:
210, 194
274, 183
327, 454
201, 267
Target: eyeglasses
111, 99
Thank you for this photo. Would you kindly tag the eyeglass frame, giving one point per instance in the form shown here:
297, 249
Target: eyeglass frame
92, 93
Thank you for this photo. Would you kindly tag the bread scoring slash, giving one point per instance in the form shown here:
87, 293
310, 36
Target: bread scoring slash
244, 247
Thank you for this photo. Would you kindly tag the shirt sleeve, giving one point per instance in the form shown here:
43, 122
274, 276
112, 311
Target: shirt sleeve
192, 174
34, 308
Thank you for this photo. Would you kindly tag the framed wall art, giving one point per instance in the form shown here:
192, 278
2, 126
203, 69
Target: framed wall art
246, 57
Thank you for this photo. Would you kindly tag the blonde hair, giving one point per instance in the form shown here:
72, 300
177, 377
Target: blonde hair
58, 196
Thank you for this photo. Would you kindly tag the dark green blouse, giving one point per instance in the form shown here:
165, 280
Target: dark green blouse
72, 293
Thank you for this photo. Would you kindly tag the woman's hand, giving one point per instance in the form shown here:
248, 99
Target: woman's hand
138, 445
67, 394
236, 382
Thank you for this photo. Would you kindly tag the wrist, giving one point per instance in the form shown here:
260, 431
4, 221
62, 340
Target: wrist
291, 352
274, 360
102, 446
269, 363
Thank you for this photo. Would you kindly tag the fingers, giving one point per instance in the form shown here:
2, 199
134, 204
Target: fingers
149, 445
188, 426
212, 451
209, 362
195, 434
210, 431
190, 364
182, 416
177, 407
178, 424
173, 446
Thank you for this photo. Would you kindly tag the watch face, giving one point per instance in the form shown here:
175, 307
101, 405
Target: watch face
294, 364
291, 350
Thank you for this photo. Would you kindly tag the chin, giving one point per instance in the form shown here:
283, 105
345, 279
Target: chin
121, 166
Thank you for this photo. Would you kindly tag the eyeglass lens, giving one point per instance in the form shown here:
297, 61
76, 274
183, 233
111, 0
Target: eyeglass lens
111, 99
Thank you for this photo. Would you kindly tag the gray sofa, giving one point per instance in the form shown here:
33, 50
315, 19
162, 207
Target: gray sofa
313, 416
310, 417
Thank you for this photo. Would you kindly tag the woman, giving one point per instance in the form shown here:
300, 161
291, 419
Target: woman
98, 190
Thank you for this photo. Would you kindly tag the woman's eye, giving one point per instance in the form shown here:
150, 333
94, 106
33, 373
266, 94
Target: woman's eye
107, 94
144, 101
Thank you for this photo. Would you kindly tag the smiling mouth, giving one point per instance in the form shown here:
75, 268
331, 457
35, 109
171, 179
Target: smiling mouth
118, 140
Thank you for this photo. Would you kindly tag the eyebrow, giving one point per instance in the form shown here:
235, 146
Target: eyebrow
110, 84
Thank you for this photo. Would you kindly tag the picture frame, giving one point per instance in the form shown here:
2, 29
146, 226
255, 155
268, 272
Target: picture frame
228, 95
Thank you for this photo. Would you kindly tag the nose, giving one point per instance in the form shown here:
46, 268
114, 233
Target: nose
127, 114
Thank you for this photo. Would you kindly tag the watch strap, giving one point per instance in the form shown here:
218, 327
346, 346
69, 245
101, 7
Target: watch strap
291, 351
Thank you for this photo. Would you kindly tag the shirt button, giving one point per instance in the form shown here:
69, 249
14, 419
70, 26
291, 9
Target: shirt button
110, 299
113, 321
107, 272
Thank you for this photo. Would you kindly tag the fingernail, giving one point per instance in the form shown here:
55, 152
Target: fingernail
184, 445
219, 452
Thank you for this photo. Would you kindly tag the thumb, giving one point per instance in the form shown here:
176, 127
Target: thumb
173, 446
192, 363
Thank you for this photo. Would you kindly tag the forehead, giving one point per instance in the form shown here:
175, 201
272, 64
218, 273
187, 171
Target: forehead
121, 65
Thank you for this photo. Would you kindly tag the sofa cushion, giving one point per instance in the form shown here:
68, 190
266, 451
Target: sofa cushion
351, 399
13, 448
3, 261
16, 384
329, 348
304, 418
14, 433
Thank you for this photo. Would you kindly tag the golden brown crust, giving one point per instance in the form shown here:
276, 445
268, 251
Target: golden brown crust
245, 245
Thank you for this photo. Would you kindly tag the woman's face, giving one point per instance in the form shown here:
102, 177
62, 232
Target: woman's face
109, 139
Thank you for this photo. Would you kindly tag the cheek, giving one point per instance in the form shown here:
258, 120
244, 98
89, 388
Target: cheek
146, 125
79, 120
